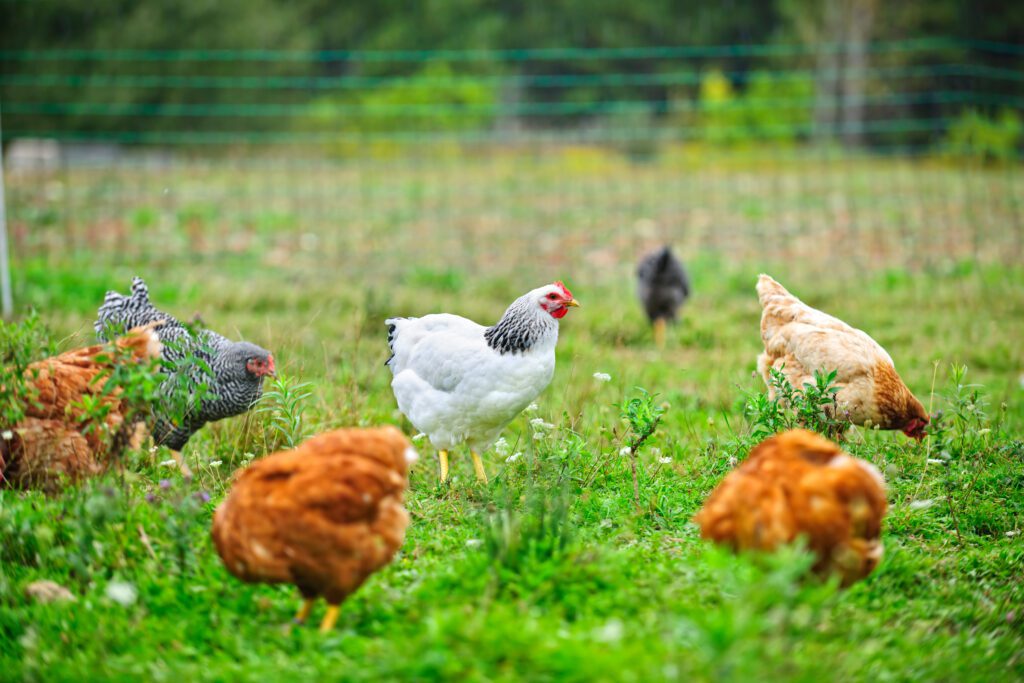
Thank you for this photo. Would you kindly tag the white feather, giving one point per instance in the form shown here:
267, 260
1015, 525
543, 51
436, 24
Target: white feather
455, 388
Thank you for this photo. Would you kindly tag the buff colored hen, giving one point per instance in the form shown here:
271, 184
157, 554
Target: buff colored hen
323, 516
798, 340
798, 484
55, 439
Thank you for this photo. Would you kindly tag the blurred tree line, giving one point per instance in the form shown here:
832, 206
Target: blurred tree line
827, 92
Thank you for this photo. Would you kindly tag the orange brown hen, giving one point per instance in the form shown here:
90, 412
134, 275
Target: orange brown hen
799, 340
55, 439
798, 484
323, 516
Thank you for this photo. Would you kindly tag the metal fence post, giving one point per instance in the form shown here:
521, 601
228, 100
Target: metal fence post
6, 300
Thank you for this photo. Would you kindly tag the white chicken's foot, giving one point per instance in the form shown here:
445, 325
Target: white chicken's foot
478, 467
442, 457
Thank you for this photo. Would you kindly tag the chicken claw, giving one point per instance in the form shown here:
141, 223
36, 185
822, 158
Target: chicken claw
478, 467
303, 613
442, 457
330, 618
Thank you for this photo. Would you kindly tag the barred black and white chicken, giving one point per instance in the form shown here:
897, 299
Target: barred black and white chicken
234, 379
663, 286
462, 383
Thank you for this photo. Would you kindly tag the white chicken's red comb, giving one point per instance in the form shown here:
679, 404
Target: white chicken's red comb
565, 290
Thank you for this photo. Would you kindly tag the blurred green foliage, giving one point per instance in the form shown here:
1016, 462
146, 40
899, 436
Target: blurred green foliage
359, 89
985, 138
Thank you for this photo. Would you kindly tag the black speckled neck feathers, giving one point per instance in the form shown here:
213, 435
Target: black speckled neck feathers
521, 328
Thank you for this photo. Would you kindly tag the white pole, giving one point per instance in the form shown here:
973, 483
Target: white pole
6, 300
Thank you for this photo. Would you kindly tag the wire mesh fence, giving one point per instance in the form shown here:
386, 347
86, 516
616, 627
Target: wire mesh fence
899, 154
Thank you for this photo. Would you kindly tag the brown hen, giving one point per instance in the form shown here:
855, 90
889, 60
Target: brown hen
55, 439
798, 484
798, 340
323, 516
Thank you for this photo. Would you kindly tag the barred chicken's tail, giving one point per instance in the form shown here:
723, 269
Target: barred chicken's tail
119, 313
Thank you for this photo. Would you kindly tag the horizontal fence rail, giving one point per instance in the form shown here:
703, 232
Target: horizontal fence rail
514, 162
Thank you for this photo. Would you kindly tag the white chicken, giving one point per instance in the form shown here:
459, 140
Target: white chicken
462, 383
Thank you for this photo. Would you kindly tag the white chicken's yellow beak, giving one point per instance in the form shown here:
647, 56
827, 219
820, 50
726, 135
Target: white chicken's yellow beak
572, 303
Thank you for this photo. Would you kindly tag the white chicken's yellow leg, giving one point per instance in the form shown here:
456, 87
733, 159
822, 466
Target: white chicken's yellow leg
303, 613
478, 467
329, 619
442, 457
659, 332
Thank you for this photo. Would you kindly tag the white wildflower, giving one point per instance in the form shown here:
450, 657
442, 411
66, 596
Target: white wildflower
539, 436
921, 504
606, 523
473, 543
732, 461
602, 377
983, 432
501, 446
122, 593
539, 423
664, 461
1012, 533
936, 461
216, 463
419, 437
515, 456
625, 450
169, 463
611, 632
8, 435
532, 408
248, 457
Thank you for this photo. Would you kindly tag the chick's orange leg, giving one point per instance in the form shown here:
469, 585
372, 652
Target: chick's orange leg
329, 619
478, 467
659, 332
442, 457
303, 613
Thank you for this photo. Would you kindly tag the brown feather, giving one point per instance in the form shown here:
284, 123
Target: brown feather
799, 340
52, 443
323, 516
798, 484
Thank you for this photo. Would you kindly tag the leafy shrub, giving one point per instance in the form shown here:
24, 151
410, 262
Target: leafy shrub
643, 418
986, 139
773, 108
20, 344
284, 403
812, 407
432, 100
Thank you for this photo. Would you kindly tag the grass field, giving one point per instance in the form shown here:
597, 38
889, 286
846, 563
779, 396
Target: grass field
923, 256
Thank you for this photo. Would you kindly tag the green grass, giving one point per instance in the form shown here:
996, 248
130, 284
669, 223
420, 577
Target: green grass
482, 590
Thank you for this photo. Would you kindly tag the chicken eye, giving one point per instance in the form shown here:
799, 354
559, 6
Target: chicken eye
552, 296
